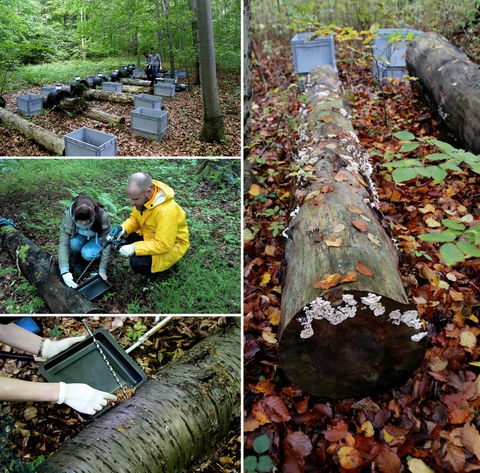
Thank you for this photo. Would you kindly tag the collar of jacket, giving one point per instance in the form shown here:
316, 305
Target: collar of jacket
158, 198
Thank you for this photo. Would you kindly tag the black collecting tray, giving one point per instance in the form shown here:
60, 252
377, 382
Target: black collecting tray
93, 287
83, 363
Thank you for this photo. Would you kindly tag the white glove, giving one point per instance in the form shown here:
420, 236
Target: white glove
51, 348
83, 398
103, 275
120, 235
127, 250
68, 280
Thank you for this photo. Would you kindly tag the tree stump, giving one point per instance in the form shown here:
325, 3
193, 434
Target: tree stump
346, 329
49, 140
40, 269
451, 81
172, 420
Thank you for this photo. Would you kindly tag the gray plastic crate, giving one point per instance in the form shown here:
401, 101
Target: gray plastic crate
308, 54
149, 123
112, 87
165, 88
46, 90
180, 74
384, 71
138, 73
147, 101
88, 142
29, 104
390, 45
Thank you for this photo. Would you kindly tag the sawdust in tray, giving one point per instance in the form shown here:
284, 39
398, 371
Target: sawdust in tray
121, 395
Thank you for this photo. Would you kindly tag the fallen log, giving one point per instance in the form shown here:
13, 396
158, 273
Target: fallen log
107, 96
138, 82
39, 269
133, 89
49, 140
346, 328
172, 420
451, 81
78, 105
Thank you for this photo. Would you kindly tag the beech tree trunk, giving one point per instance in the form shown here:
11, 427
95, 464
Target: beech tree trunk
49, 140
40, 269
92, 94
333, 344
451, 81
171, 421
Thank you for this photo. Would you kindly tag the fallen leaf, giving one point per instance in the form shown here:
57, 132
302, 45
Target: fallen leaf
367, 427
333, 241
265, 279
327, 189
456, 296
438, 364
432, 223
349, 458
328, 281
415, 465
270, 250
388, 462
360, 225
342, 175
471, 439
269, 337
429, 208
351, 276
468, 339
276, 409
255, 190
362, 269
311, 195
355, 210
30, 413
338, 228
374, 239
274, 316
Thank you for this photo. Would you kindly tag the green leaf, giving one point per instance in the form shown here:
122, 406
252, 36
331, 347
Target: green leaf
435, 156
250, 464
453, 224
403, 163
442, 237
438, 173
473, 234
445, 147
475, 167
409, 146
404, 174
404, 135
261, 444
451, 254
265, 464
451, 164
469, 249
247, 234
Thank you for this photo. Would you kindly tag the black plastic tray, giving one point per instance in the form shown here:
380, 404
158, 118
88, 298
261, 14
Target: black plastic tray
83, 363
93, 287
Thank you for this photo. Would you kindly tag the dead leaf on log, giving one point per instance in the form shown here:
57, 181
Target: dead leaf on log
374, 239
355, 210
327, 189
328, 281
341, 176
360, 225
362, 269
318, 238
311, 195
334, 241
351, 276
338, 228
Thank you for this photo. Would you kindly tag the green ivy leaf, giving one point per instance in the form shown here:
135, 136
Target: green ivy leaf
442, 237
261, 444
451, 254
265, 464
250, 464
404, 135
453, 224
404, 174
409, 146
469, 249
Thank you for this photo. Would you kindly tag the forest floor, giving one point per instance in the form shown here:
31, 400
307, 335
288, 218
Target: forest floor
41, 428
432, 423
185, 120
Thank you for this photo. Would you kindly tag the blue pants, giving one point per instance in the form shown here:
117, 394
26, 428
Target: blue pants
89, 250
155, 69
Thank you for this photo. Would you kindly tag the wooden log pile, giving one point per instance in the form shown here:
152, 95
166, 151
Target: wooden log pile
346, 329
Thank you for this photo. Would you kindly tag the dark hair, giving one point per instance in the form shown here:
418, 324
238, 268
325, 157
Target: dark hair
85, 208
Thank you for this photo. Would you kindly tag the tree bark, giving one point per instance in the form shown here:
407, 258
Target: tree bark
212, 130
107, 96
451, 81
136, 82
330, 347
166, 9
79, 106
40, 269
172, 420
193, 8
49, 140
135, 89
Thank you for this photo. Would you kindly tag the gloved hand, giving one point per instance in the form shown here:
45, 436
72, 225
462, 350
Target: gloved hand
103, 275
121, 231
68, 280
83, 398
51, 348
127, 250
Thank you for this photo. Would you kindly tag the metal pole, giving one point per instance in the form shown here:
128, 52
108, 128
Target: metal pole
150, 332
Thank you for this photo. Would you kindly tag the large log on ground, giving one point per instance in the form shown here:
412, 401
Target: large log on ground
40, 269
135, 89
171, 421
451, 81
107, 96
347, 329
78, 105
136, 82
49, 140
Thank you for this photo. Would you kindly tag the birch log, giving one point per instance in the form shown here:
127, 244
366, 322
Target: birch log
107, 96
172, 420
451, 81
347, 329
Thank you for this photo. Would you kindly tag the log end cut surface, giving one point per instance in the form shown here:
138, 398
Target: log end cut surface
362, 355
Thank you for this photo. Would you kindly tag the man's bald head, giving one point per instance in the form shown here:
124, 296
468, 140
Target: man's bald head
140, 181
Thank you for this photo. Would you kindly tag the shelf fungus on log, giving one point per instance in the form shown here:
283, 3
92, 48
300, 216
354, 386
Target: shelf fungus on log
451, 81
347, 329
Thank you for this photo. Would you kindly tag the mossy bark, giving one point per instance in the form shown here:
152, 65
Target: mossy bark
212, 130
173, 419
107, 96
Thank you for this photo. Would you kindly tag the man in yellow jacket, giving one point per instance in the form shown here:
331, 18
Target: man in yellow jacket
157, 228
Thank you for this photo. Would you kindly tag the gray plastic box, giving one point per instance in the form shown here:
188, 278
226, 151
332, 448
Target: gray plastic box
147, 101
180, 74
384, 71
46, 90
149, 123
165, 88
29, 104
308, 54
138, 72
390, 45
88, 142
112, 87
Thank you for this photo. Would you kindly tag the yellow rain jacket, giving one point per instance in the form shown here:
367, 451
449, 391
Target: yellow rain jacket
163, 225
